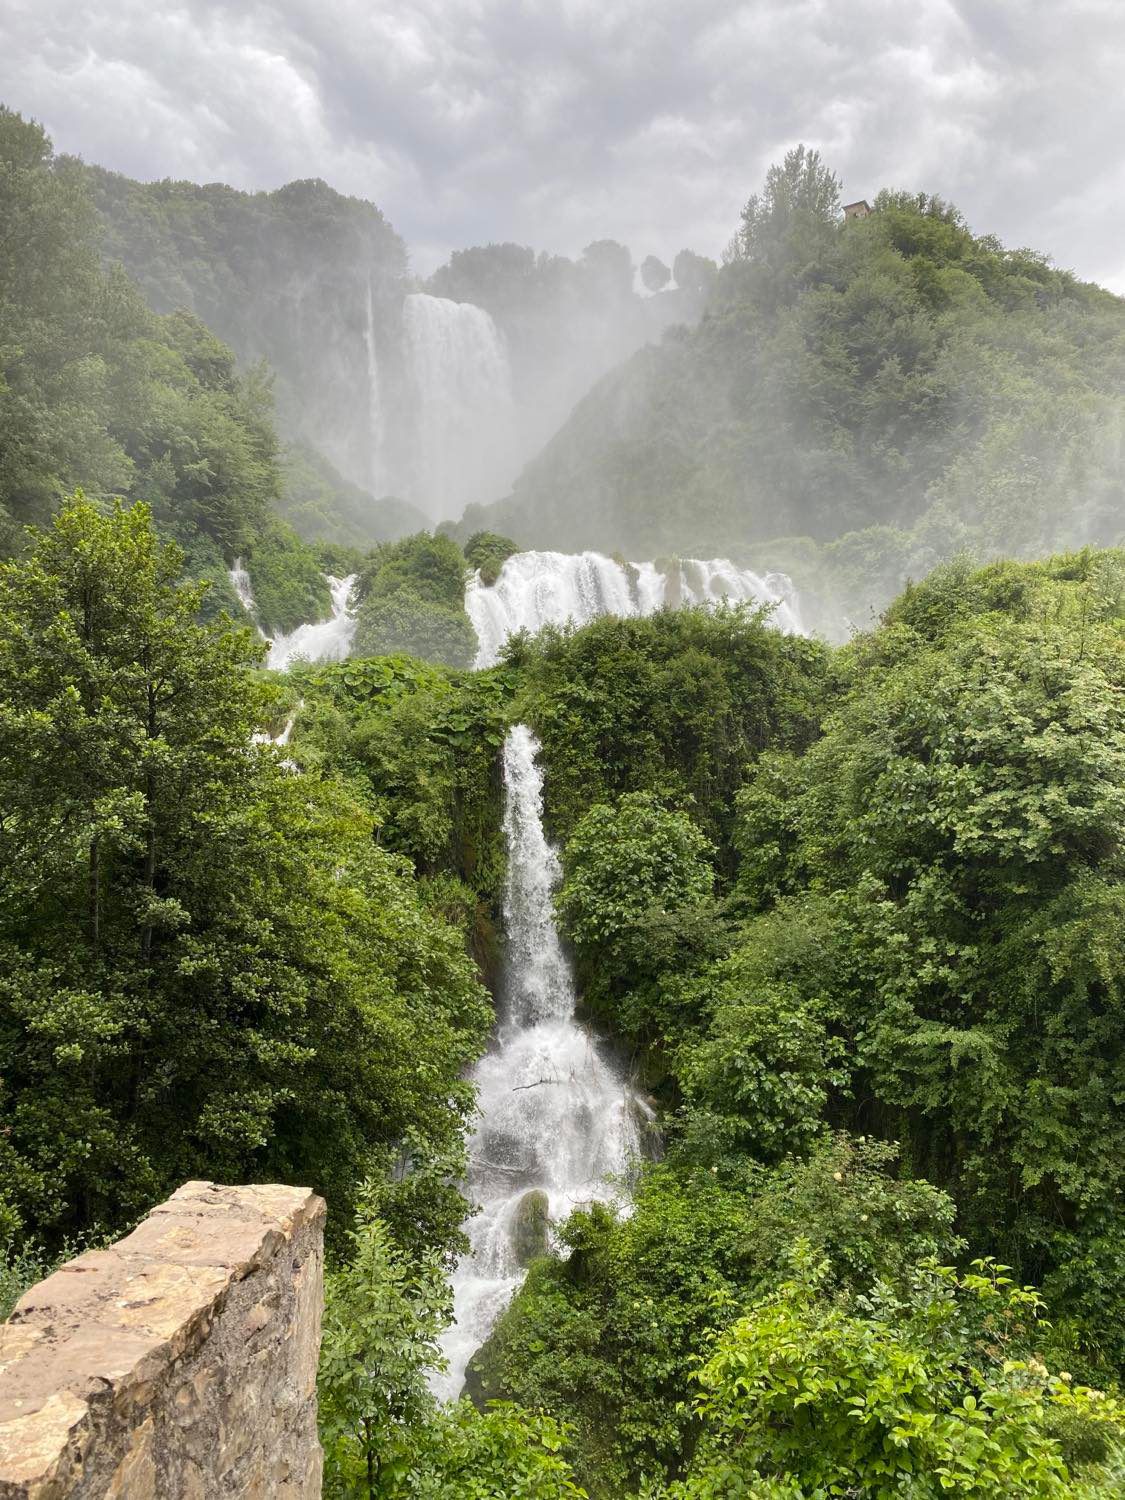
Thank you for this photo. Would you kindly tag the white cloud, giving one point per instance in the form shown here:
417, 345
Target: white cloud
554, 122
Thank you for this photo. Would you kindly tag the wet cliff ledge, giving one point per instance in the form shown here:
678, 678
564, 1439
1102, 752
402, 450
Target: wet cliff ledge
180, 1364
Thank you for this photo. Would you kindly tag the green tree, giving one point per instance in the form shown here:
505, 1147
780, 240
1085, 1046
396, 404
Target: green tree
382, 1321
404, 622
488, 552
935, 1395
799, 203
637, 887
412, 600
209, 969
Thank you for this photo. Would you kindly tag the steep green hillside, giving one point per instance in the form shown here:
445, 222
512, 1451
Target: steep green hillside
897, 382
98, 392
304, 278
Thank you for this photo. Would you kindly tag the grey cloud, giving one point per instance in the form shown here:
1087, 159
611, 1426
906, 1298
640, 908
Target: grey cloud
557, 123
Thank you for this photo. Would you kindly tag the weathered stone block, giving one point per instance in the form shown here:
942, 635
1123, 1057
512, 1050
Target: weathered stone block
179, 1362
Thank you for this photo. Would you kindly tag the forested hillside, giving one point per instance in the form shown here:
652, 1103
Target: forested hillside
838, 931
855, 914
893, 390
317, 285
303, 278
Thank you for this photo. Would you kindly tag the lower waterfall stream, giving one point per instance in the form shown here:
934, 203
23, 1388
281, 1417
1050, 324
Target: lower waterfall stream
557, 1124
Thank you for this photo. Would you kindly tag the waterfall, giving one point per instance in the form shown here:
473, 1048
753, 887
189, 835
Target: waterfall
374, 404
458, 367
240, 582
555, 1119
550, 588
324, 640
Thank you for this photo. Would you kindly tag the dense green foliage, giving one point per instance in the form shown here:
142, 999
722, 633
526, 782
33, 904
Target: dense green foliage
892, 390
420, 748
412, 601
97, 391
209, 967
675, 704
609, 1337
930, 1393
283, 277
383, 1433
637, 892
286, 578
488, 553
893, 914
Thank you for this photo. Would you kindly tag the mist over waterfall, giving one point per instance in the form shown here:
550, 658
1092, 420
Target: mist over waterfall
376, 434
555, 1118
551, 588
458, 368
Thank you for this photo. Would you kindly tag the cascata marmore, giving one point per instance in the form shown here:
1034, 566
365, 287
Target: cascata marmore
535, 589
557, 1124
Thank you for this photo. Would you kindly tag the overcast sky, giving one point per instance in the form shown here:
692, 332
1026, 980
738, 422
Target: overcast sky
555, 122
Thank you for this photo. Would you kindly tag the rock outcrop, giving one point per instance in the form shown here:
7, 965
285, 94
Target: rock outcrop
179, 1364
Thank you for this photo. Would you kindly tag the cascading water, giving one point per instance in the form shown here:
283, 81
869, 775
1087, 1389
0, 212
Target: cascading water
464, 426
550, 588
556, 1121
240, 582
374, 401
323, 640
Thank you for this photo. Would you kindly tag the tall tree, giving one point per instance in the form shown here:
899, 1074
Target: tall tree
208, 969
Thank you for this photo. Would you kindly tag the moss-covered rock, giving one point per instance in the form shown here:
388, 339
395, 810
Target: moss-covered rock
531, 1226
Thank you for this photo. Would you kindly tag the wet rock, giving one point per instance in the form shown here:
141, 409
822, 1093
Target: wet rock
531, 1227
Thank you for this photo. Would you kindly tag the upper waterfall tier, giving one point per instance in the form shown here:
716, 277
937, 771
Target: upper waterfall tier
458, 367
551, 588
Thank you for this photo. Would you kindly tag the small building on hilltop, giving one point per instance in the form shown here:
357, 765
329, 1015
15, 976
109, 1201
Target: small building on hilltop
859, 210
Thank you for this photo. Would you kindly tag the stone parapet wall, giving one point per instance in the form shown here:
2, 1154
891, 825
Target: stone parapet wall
180, 1364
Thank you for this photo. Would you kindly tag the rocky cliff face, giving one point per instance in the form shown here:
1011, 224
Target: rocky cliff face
179, 1362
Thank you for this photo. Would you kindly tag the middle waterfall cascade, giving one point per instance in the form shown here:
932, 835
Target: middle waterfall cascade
550, 588
325, 640
459, 369
556, 1121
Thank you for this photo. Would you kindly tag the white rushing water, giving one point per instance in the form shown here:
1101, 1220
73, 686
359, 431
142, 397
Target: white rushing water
555, 1117
374, 401
458, 366
240, 582
550, 588
323, 640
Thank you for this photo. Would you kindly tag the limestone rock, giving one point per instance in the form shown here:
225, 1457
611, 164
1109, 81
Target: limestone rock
179, 1362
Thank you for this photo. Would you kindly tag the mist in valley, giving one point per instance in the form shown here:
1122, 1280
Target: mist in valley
562, 603
845, 401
